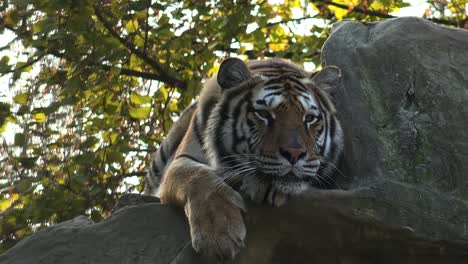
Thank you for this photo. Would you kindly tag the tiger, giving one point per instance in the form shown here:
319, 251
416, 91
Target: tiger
262, 130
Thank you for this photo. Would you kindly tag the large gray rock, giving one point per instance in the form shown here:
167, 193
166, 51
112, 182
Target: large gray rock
325, 227
147, 233
404, 109
403, 105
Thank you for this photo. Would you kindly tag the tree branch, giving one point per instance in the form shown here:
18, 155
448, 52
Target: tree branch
290, 20
163, 75
123, 71
384, 15
130, 72
24, 66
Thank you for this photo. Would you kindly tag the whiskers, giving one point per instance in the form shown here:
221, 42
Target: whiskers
251, 173
326, 174
230, 175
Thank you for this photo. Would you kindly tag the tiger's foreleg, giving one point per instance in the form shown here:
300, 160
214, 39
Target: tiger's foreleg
212, 207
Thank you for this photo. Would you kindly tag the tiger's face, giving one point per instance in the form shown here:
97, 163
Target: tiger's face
272, 125
287, 124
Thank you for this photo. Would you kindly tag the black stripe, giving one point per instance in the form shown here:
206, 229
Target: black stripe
246, 86
154, 167
274, 81
299, 85
265, 198
222, 119
271, 163
189, 157
196, 128
271, 94
207, 108
237, 119
313, 106
332, 135
273, 87
253, 132
162, 153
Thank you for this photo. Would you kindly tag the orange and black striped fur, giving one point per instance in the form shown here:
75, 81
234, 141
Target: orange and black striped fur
262, 130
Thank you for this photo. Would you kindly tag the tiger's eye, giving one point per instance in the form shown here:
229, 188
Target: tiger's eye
310, 119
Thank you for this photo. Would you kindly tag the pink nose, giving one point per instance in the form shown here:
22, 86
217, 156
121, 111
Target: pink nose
293, 154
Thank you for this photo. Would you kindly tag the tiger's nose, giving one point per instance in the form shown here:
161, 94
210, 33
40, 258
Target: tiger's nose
293, 154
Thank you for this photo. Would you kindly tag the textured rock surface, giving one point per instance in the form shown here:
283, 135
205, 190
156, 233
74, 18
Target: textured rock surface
147, 233
404, 107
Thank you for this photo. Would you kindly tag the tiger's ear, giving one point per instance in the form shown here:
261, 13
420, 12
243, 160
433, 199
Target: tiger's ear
232, 72
328, 78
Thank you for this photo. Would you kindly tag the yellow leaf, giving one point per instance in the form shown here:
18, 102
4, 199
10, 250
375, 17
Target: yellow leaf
40, 117
173, 106
131, 26
21, 98
139, 99
278, 47
3, 127
340, 13
4, 204
139, 112
37, 27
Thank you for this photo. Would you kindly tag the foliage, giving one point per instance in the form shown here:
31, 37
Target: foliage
95, 85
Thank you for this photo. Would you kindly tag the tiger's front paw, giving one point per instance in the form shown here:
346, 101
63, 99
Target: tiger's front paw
216, 224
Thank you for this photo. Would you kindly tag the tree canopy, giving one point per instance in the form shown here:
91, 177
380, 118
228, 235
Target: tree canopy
93, 86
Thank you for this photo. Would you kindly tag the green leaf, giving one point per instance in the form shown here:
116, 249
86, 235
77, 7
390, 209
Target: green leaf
21, 98
28, 163
89, 143
110, 136
23, 185
139, 113
5, 115
22, 65
86, 158
139, 99
19, 139
4, 67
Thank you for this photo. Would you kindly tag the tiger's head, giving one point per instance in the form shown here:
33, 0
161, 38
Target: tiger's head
274, 123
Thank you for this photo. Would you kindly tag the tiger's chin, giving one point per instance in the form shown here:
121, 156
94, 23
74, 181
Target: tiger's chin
272, 189
290, 184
